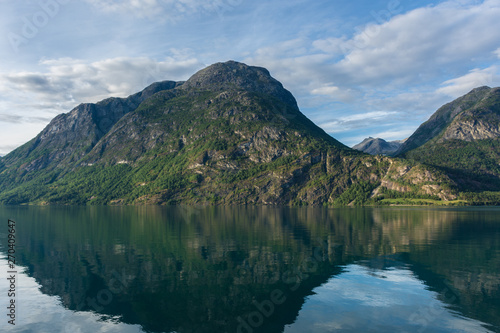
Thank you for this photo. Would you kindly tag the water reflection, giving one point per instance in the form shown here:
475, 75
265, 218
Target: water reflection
364, 299
220, 269
40, 313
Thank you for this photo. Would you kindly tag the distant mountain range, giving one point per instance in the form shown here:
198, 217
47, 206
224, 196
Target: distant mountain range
232, 134
376, 146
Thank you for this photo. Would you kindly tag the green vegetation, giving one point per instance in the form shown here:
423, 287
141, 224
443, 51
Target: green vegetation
357, 194
481, 198
472, 165
420, 202
391, 194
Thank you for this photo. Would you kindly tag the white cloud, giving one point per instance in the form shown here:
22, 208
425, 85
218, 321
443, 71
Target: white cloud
414, 104
475, 78
329, 93
397, 134
326, 90
331, 45
497, 52
370, 115
168, 10
415, 45
350, 122
409, 49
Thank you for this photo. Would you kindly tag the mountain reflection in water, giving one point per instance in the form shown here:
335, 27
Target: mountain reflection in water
248, 269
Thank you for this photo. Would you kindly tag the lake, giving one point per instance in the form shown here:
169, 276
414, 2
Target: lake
251, 269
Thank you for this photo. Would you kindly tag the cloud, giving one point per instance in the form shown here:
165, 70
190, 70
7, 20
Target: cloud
16, 132
331, 45
68, 82
414, 46
354, 121
396, 134
326, 90
168, 10
409, 48
415, 104
18, 119
475, 78
5, 149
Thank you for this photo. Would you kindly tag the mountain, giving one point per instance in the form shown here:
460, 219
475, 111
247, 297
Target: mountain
463, 139
464, 108
375, 146
70, 136
231, 134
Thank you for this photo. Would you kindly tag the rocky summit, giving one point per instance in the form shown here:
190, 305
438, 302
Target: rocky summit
230, 134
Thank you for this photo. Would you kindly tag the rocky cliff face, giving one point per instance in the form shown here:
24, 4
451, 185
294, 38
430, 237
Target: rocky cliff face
482, 122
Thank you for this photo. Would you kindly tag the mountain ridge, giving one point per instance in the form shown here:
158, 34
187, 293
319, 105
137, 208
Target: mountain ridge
231, 134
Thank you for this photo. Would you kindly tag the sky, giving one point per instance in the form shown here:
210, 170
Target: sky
357, 68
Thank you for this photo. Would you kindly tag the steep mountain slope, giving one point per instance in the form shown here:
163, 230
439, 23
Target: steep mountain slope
462, 138
374, 146
231, 134
443, 118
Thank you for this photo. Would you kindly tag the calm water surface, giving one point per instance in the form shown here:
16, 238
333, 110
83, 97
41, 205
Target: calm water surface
219, 269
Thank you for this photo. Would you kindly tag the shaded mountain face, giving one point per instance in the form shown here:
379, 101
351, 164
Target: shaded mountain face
375, 146
231, 134
462, 138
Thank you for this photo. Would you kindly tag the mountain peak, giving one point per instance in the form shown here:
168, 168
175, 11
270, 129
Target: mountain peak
480, 89
376, 146
226, 73
232, 74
